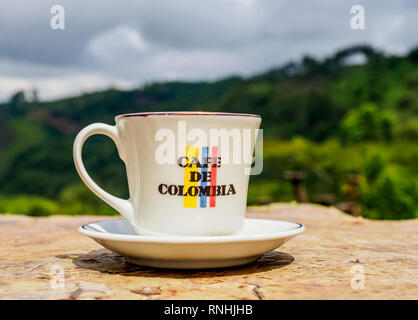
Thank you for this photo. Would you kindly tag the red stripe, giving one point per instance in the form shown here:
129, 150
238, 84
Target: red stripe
213, 176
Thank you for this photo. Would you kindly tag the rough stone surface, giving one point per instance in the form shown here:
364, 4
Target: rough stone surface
322, 263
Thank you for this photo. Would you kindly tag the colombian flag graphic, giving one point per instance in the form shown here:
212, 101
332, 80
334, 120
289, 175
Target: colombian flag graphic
200, 174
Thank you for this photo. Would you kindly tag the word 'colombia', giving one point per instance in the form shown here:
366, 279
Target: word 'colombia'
199, 179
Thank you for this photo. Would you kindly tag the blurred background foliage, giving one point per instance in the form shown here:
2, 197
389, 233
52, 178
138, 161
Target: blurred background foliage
349, 130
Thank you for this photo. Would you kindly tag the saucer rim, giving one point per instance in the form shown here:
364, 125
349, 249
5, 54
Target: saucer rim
193, 239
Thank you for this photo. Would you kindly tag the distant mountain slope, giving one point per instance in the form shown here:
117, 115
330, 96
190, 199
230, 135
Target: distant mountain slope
306, 99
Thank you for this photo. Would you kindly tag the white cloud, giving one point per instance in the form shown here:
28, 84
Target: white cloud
114, 45
59, 87
129, 43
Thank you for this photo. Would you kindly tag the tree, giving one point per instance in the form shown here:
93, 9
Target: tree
413, 55
17, 98
367, 123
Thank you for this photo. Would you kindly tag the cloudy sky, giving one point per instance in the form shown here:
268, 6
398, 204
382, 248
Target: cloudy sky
125, 44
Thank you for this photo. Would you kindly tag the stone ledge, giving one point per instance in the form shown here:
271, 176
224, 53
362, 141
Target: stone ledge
315, 265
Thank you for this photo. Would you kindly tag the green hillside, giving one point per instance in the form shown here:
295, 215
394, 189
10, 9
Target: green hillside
329, 119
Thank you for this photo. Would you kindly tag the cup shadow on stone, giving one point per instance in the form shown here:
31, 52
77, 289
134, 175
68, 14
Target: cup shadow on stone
105, 261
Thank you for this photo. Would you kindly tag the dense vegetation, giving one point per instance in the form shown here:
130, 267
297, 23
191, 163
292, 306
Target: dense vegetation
329, 119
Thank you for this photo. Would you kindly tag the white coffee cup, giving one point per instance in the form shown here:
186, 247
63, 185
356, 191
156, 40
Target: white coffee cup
187, 172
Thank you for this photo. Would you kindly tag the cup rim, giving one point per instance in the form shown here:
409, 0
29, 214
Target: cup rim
186, 113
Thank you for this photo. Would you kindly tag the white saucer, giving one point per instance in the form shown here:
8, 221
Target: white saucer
180, 252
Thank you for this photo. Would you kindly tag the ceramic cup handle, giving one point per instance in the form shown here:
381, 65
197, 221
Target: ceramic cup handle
123, 206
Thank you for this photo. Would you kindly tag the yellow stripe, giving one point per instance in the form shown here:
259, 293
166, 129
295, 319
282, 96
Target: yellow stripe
190, 201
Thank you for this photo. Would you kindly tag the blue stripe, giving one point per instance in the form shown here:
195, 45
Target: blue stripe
205, 152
